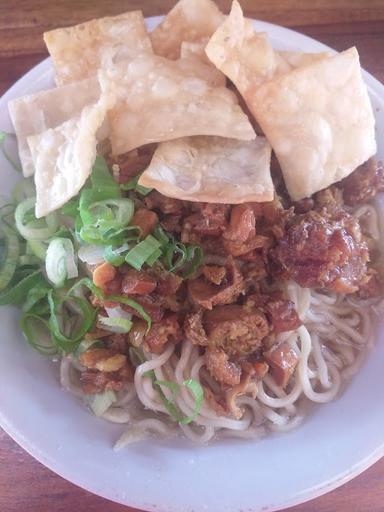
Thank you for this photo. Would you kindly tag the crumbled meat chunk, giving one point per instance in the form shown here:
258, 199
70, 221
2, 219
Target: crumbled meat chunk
209, 221
146, 220
171, 223
95, 381
364, 183
319, 250
164, 204
151, 306
242, 223
235, 248
283, 361
221, 369
371, 285
137, 332
330, 198
168, 283
105, 370
214, 273
132, 163
194, 330
282, 315
235, 329
168, 330
137, 283
216, 403
207, 295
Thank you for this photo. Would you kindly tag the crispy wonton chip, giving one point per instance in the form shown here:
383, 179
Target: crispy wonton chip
212, 169
79, 51
36, 113
159, 99
319, 121
63, 157
189, 20
246, 57
195, 52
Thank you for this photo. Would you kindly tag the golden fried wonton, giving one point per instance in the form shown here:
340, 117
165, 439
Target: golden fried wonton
78, 52
189, 20
212, 169
36, 113
63, 157
319, 121
158, 99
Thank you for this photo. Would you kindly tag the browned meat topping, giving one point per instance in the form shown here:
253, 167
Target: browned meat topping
165, 205
282, 315
364, 183
319, 250
168, 330
235, 329
137, 283
330, 198
214, 273
371, 286
105, 370
221, 369
283, 361
146, 221
206, 295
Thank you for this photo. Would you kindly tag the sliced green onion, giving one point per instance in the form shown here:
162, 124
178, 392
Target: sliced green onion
87, 315
60, 263
136, 356
23, 189
71, 207
139, 254
29, 259
3, 138
114, 256
38, 248
29, 231
154, 257
11, 255
118, 325
102, 180
87, 344
133, 184
175, 256
195, 388
101, 402
34, 296
37, 333
91, 254
17, 290
195, 256
161, 235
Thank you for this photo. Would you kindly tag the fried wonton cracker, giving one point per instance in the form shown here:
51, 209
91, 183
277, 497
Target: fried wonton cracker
319, 121
246, 57
79, 51
36, 113
189, 20
63, 157
212, 169
159, 99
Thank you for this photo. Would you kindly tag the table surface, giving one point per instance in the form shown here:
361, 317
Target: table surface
25, 485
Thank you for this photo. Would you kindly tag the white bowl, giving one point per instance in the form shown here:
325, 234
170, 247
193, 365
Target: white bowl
338, 440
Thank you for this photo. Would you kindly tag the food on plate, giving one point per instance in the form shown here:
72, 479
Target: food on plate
158, 99
211, 169
78, 52
323, 103
190, 21
36, 113
190, 275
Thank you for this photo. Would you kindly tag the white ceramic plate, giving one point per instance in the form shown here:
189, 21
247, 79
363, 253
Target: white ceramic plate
337, 442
